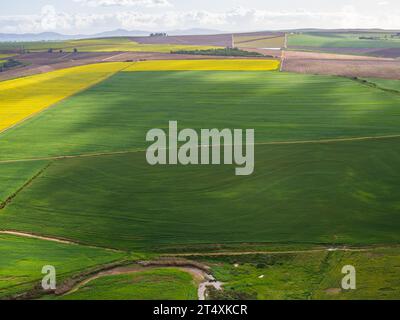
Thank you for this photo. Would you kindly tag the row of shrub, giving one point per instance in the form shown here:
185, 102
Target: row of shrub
231, 52
10, 63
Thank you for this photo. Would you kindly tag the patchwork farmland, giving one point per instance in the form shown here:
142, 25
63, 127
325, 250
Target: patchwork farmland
77, 192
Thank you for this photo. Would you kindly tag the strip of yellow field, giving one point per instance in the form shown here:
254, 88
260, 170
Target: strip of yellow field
22, 98
206, 65
6, 56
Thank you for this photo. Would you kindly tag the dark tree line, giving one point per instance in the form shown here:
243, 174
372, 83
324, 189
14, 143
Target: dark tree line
230, 52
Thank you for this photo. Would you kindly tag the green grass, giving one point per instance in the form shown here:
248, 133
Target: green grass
22, 260
156, 284
98, 45
116, 114
377, 274
342, 40
268, 277
313, 275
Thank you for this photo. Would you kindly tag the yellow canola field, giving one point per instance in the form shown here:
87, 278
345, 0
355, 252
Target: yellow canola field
23, 97
5, 56
206, 65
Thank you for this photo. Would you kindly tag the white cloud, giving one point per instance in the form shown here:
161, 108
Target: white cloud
383, 3
125, 3
236, 19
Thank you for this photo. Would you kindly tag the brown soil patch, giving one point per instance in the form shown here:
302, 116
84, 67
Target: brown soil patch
373, 52
333, 291
341, 65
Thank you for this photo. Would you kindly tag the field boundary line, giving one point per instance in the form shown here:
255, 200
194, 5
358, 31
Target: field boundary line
10, 198
374, 85
33, 236
282, 60
259, 39
58, 102
331, 140
54, 239
110, 153
114, 56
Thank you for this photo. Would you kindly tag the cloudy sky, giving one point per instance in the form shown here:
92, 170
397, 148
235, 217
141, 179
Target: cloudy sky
92, 16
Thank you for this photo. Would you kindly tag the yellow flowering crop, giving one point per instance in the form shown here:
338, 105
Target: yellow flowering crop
23, 97
5, 56
204, 65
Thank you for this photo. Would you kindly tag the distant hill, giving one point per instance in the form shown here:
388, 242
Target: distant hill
54, 36
118, 33
193, 32
376, 30
45, 36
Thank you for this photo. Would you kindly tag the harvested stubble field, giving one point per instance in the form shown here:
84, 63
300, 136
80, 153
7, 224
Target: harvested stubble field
271, 41
392, 53
217, 40
340, 65
326, 173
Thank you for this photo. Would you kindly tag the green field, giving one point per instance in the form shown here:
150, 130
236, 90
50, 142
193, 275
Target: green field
156, 284
22, 260
307, 275
342, 40
344, 191
336, 193
116, 114
96, 45
15, 175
